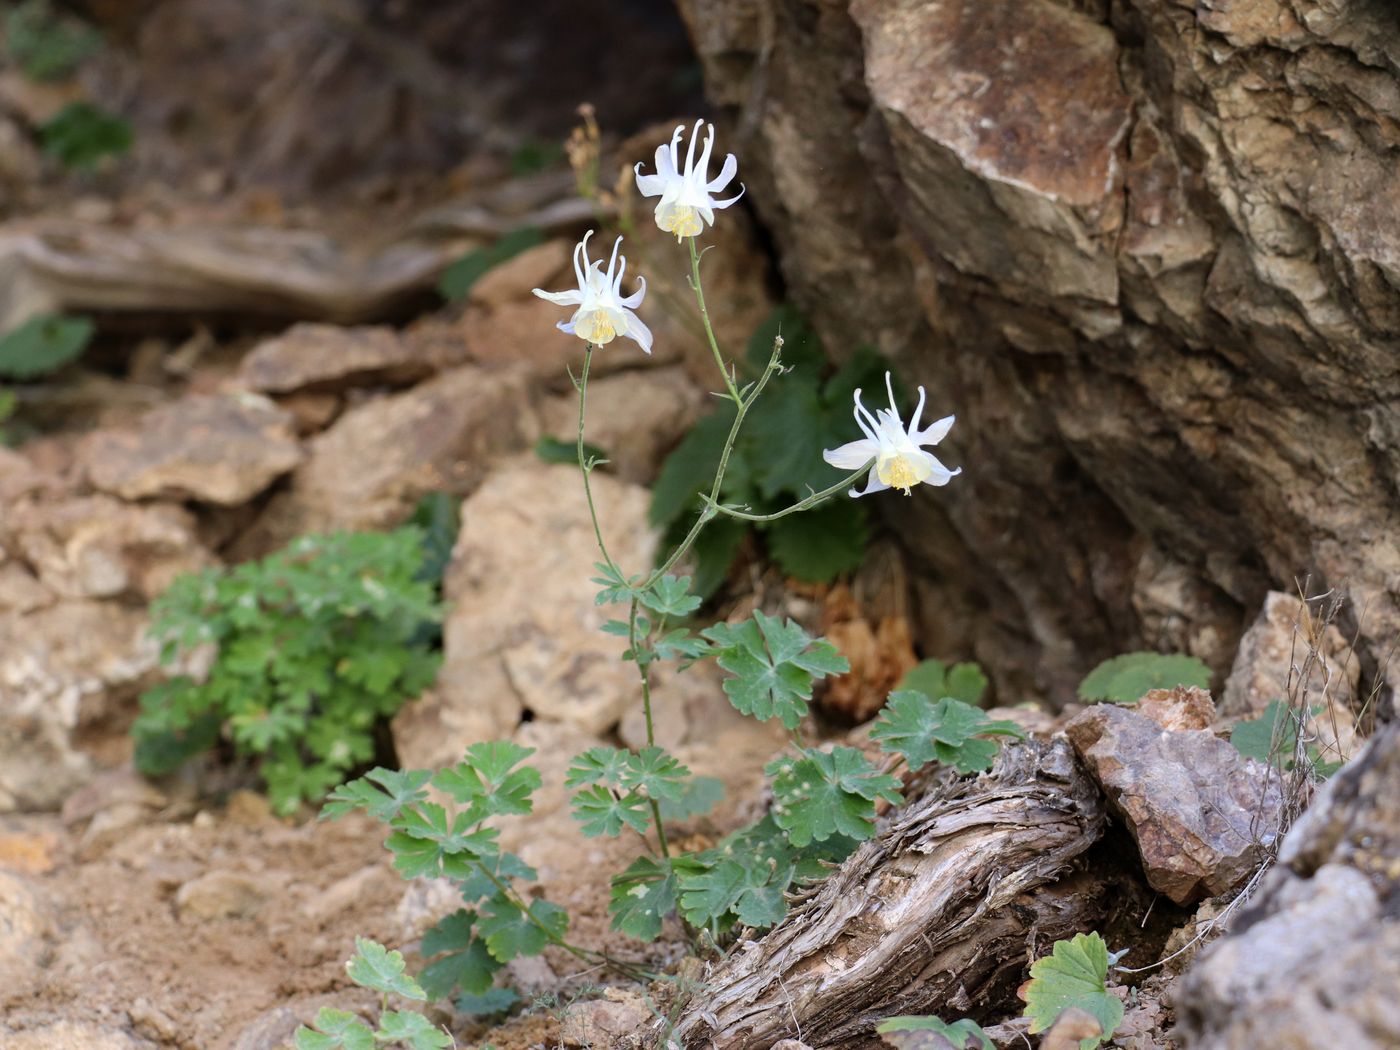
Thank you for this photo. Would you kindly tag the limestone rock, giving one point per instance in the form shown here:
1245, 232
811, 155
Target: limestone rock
1201, 814
320, 357
1270, 660
1146, 251
72, 1035
1314, 960
1181, 707
520, 598
25, 923
517, 277
99, 547
620, 1019
222, 449
220, 895
60, 665
378, 458
636, 417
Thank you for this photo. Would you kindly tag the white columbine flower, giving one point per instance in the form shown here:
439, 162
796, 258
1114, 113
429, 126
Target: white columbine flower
899, 461
686, 204
603, 314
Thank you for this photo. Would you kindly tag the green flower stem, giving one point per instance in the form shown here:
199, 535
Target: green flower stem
709, 328
584, 463
806, 504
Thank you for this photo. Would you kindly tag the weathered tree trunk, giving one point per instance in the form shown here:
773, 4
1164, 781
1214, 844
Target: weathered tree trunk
1148, 251
942, 912
1315, 958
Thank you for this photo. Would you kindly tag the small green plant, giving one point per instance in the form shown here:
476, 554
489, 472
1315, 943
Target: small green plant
777, 459
380, 970
81, 134
1075, 974
1272, 738
964, 681
457, 280
1126, 679
947, 731
43, 344
45, 44
315, 646
925, 1033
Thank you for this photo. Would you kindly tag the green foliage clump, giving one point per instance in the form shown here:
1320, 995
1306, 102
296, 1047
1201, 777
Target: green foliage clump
428, 840
929, 1033
80, 134
43, 344
964, 681
45, 44
315, 646
947, 731
457, 280
1272, 738
776, 459
1075, 974
1125, 679
380, 970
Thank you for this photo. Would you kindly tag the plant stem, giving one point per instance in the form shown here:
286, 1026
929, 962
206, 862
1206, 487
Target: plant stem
809, 502
709, 328
586, 465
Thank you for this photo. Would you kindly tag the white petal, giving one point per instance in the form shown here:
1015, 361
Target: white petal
941, 475
725, 176
635, 299
934, 432
570, 298
650, 185
731, 200
851, 455
873, 484
566, 326
637, 331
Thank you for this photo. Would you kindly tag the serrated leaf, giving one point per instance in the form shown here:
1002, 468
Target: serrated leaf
382, 970
1075, 974
1125, 679
382, 793
467, 964
923, 731
510, 932
405, 1026
43, 345
933, 678
339, 1030
487, 782
457, 280
641, 897
670, 596
824, 793
772, 665
784, 436
614, 586
654, 774
488, 1003
680, 645
504, 866
820, 544
925, 1033
600, 764
600, 811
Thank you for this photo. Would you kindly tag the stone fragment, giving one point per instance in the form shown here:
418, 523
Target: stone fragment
635, 417
1271, 655
322, 358
520, 596
518, 276
222, 449
621, 1019
72, 1035
26, 924
1182, 707
220, 895
1315, 958
271, 1030
1201, 814
369, 469
99, 547
20, 591
59, 666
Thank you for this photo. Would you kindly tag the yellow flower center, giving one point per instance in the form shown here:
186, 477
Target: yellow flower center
595, 327
897, 472
684, 222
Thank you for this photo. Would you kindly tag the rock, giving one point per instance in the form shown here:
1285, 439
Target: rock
323, 358
60, 666
1201, 814
100, 547
1124, 244
1314, 959
1182, 707
20, 591
222, 449
72, 1035
369, 469
26, 926
271, 1030
1272, 653
523, 335
518, 276
220, 895
520, 597
636, 417
622, 1018
29, 852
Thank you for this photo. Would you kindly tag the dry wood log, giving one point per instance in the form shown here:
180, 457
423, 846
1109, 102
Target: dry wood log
939, 914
